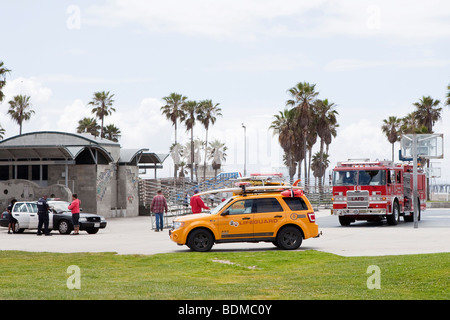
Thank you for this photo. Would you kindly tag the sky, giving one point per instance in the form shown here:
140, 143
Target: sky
373, 59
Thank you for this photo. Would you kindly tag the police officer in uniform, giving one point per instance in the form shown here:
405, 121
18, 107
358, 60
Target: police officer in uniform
43, 216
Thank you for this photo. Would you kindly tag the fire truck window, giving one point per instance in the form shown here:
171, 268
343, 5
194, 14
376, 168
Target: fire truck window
344, 178
399, 177
372, 178
391, 177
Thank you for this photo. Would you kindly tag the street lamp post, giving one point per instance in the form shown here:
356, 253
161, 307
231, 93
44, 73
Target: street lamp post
245, 150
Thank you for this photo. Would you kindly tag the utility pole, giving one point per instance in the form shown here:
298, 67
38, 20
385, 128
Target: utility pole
415, 193
245, 150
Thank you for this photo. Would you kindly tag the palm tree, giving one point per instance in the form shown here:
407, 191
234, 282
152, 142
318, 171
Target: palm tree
284, 125
176, 153
102, 102
428, 112
303, 96
319, 164
448, 95
190, 152
88, 125
191, 110
112, 133
311, 140
173, 109
392, 129
20, 110
217, 153
208, 111
2, 132
326, 122
409, 123
182, 171
3, 72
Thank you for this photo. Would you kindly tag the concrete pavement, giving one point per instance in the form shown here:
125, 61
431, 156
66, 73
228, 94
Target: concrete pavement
135, 236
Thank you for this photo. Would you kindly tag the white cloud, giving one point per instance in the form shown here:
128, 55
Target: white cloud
143, 126
354, 64
67, 78
362, 139
39, 95
250, 19
27, 86
242, 19
265, 63
68, 117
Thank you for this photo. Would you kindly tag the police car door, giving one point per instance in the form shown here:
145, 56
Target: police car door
21, 214
34, 218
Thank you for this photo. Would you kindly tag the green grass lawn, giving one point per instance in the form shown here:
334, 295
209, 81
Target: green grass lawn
230, 275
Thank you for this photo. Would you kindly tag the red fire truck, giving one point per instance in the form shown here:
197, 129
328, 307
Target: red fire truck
376, 190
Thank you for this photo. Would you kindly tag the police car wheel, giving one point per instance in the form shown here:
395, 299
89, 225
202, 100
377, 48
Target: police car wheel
92, 230
200, 240
64, 227
17, 229
289, 238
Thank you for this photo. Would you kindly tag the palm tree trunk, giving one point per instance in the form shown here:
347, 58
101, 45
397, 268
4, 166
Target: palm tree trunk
101, 129
175, 132
393, 153
206, 151
321, 166
309, 169
20, 122
175, 169
192, 154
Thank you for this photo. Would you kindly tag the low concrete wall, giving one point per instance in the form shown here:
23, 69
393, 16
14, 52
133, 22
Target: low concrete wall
29, 191
438, 204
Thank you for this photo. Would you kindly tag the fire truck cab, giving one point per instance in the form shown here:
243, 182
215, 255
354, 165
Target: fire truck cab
376, 190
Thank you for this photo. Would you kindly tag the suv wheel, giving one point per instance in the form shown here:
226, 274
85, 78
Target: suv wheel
200, 240
289, 238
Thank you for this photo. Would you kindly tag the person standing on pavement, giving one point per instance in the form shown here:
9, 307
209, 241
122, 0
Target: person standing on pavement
11, 219
158, 206
43, 216
197, 203
75, 208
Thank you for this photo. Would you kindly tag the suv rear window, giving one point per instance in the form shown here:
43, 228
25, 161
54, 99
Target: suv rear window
296, 204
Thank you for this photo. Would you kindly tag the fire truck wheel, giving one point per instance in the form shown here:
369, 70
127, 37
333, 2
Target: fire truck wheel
410, 217
345, 221
392, 219
418, 209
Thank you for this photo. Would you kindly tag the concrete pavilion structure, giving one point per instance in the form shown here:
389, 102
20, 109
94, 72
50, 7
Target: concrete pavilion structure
57, 164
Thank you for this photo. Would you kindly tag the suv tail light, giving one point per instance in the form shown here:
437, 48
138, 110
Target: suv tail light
312, 217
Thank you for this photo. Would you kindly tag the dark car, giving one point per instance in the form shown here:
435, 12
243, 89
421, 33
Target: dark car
4, 219
62, 219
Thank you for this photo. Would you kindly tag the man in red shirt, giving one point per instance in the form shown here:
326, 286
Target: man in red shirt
158, 206
197, 203
75, 208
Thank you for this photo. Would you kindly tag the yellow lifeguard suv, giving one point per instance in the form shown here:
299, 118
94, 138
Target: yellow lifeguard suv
279, 214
